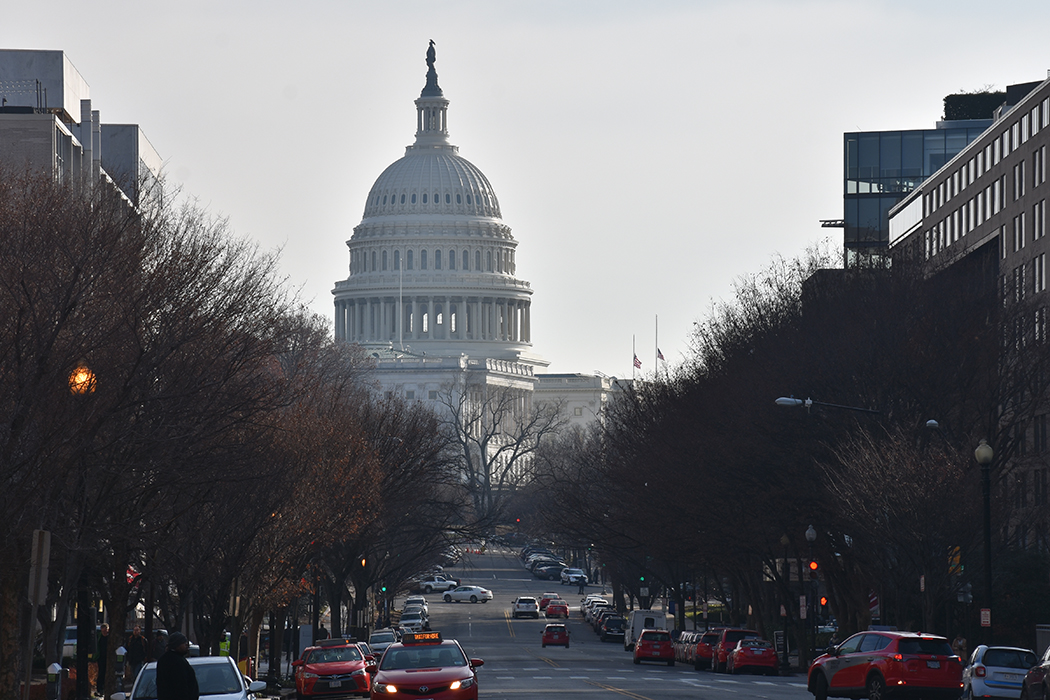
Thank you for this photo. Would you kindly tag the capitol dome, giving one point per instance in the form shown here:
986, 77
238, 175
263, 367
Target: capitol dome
432, 264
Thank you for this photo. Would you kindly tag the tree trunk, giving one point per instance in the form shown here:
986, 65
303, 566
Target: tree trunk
9, 590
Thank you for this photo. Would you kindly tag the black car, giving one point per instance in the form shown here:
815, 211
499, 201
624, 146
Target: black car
612, 629
548, 572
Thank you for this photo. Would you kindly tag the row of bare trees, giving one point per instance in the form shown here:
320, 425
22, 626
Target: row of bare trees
699, 476
222, 442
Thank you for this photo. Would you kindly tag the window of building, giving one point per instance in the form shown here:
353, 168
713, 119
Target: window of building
1015, 136
1019, 237
1039, 436
452, 318
424, 198
466, 260
578, 411
1024, 128
437, 259
1039, 220
1020, 484
384, 261
459, 198
1039, 331
423, 259
433, 395
402, 199
1003, 245
1019, 287
468, 199
388, 394
477, 260
452, 260
408, 259
397, 259
425, 322
413, 197
410, 395
488, 260
448, 199
373, 261
1039, 273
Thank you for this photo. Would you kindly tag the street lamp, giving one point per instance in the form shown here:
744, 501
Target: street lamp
81, 383
984, 455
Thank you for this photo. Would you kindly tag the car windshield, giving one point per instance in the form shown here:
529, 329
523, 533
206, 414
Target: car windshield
381, 638
422, 657
327, 656
656, 637
755, 643
212, 679
616, 624
736, 635
936, 647
1009, 658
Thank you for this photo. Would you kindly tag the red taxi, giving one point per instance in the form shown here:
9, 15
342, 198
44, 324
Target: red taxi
334, 667
705, 648
654, 645
875, 664
557, 608
423, 665
727, 640
753, 655
555, 635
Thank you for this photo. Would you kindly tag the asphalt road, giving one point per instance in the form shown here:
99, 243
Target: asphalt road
517, 667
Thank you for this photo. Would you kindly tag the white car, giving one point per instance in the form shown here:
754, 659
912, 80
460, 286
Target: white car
526, 606
217, 676
573, 576
997, 672
418, 600
413, 622
472, 593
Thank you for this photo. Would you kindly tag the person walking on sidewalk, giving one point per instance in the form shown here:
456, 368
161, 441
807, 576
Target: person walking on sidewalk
176, 679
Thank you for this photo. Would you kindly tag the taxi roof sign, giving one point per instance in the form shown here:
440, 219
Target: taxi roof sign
421, 638
335, 642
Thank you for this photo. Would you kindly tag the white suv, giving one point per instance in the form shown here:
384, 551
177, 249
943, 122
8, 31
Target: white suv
525, 607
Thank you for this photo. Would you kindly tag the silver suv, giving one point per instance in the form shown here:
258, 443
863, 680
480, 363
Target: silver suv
525, 607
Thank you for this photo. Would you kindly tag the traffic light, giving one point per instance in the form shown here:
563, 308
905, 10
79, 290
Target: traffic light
383, 589
823, 600
642, 579
813, 566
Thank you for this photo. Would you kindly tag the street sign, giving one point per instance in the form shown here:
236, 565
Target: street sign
41, 555
986, 617
644, 591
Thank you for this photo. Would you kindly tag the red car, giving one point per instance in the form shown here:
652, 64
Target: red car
753, 655
555, 635
546, 598
424, 664
335, 667
705, 649
727, 640
654, 645
876, 664
557, 608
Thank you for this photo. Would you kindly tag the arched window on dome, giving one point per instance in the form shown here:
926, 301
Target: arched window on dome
426, 322
413, 197
397, 259
477, 260
384, 199
452, 260
452, 310
408, 259
499, 262
488, 260
459, 198
436, 198
448, 198
466, 260
373, 261
468, 199
437, 259
384, 261
424, 198
402, 199
513, 263
422, 259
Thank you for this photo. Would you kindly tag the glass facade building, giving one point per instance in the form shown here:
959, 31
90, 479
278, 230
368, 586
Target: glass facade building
881, 168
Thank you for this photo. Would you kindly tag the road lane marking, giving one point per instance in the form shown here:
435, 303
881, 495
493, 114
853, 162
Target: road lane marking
621, 691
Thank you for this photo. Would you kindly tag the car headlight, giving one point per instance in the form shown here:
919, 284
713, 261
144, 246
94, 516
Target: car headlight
358, 672
307, 674
465, 683
389, 689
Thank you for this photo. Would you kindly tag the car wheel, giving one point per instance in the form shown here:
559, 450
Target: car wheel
820, 687
876, 687
428, 589
448, 598
473, 599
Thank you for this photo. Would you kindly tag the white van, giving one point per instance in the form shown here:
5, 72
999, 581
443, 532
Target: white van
638, 620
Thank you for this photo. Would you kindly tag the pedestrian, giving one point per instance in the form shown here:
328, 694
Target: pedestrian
959, 646
136, 652
159, 646
102, 658
176, 679
581, 582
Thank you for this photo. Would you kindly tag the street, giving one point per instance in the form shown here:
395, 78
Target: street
517, 667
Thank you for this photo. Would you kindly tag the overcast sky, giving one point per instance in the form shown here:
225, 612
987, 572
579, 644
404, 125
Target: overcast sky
645, 154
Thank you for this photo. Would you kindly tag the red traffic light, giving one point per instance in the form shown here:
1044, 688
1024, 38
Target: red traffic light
813, 566
823, 600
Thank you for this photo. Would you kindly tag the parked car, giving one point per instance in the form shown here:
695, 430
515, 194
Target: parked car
727, 640
546, 598
705, 647
573, 576
685, 646
875, 662
217, 677
557, 608
1036, 682
548, 572
753, 655
474, 594
525, 606
556, 635
654, 645
381, 639
437, 582
418, 600
612, 628
998, 672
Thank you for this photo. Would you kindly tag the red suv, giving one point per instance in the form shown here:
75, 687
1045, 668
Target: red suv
705, 649
654, 645
875, 664
727, 643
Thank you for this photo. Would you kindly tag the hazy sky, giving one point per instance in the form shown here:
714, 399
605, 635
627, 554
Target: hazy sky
645, 154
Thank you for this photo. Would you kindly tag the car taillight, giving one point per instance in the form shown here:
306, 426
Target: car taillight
898, 657
979, 671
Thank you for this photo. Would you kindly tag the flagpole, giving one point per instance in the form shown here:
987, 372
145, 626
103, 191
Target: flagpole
634, 356
656, 346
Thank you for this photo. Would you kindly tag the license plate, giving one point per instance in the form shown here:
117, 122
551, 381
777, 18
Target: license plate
335, 684
1012, 676
655, 653
933, 664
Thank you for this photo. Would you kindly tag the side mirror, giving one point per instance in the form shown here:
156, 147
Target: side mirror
297, 662
256, 686
477, 662
371, 668
832, 650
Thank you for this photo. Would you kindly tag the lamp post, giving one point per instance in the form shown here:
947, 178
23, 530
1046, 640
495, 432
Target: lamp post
82, 382
811, 537
786, 572
984, 455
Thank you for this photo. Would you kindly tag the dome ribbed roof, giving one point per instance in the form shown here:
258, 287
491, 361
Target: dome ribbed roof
432, 181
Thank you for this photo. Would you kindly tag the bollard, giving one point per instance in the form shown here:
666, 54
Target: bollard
55, 674
121, 651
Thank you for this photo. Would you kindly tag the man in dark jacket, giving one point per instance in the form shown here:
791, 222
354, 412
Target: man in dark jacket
136, 652
175, 677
